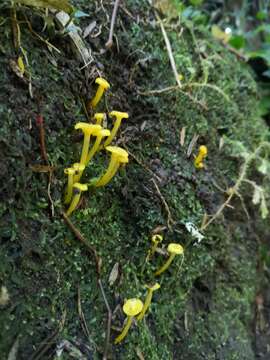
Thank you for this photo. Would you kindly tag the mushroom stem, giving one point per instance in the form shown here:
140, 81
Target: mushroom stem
113, 132
74, 204
78, 188
86, 142
95, 147
69, 187
156, 239
112, 169
146, 304
119, 117
97, 97
124, 331
103, 85
79, 168
166, 265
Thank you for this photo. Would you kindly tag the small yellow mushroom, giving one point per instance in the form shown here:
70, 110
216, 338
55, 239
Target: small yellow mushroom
148, 300
156, 239
118, 156
88, 130
99, 136
99, 117
173, 250
77, 190
198, 162
119, 117
103, 85
131, 308
70, 172
79, 168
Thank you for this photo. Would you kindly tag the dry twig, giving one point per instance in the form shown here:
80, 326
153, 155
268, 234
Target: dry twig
235, 189
92, 251
109, 43
170, 220
169, 50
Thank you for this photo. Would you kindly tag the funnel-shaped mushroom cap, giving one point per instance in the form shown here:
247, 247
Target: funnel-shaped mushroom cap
203, 150
69, 171
99, 117
78, 167
81, 187
133, 307
88, 129
120, 153
102, 82
104, 132
157, 238
176, 249
154, 287
119, 114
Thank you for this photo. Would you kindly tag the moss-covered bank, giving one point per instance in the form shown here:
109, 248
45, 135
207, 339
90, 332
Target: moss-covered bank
204, 309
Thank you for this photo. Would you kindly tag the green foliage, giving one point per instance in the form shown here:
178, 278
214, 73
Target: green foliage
51, 4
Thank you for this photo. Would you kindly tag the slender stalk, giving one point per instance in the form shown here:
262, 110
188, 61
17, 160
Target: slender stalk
124, 331
166, 265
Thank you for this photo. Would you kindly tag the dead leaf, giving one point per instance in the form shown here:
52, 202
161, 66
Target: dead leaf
159, 229
192, 144
15, 68
88, 30
139, 354
166, 7
221, 143
4, 296
114, 274
42, 168
182, 136
63, 5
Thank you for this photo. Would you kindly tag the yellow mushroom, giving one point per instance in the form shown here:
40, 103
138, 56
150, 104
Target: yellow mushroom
118, 156
79, 168
119, 117
88, 130
156, 239
103, 85
131, 308
148, 300
70, 172
99, 117
99, 136
173, 250
77, 190
198, 162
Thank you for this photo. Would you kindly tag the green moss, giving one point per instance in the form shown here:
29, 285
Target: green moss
203, 309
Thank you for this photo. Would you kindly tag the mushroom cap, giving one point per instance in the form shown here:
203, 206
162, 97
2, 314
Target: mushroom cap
102, 82
99, 116
176, 249
69, 171
119, 115
203, 150
81, 187
120, 153
104, 132
157, 238
133, 307
78, 167
87, 128
154, 287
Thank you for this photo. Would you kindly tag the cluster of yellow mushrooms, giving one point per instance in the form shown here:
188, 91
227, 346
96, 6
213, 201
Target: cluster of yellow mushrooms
135, 307
102, 140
